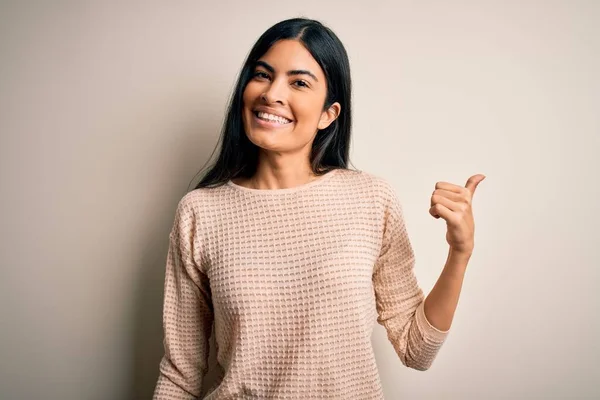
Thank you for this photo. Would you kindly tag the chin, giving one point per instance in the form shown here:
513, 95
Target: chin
266, 142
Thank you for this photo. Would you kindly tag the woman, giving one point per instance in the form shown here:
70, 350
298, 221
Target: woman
292, 255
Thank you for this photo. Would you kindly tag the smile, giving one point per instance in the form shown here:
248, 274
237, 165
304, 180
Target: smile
271, 118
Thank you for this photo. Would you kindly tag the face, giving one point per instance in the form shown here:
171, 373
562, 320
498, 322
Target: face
284, 99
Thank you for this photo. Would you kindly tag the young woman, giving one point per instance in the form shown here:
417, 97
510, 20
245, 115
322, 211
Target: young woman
292, 255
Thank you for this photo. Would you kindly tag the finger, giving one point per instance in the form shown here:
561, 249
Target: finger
455, 197
439, 210
452, 205
450, 195
473, 181
451, 187
433, 212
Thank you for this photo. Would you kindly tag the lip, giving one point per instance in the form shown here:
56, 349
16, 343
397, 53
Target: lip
268, 124
271, 111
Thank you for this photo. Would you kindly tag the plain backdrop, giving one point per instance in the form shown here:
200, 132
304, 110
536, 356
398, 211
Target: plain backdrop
109, 109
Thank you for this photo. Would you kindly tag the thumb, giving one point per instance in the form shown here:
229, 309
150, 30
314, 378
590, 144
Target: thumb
473, 182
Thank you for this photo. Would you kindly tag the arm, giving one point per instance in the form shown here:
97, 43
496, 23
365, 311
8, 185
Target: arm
399, 299
187, 314
452, 203
441, 302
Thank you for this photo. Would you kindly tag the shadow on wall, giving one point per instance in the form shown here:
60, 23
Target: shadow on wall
147, 340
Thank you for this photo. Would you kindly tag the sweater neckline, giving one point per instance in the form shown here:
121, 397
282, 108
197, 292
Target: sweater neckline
297, 188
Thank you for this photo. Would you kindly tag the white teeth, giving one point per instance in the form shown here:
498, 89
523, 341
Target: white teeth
271, 117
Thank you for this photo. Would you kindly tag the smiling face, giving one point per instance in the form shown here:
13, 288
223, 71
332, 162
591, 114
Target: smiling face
284, 99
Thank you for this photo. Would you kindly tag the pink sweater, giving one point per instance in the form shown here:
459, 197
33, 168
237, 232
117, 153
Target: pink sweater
293, 280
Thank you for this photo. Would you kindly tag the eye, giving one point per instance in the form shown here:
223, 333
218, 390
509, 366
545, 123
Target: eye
301, 83
261, 74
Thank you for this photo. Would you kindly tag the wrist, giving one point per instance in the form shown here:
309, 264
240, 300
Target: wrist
460, 254
457, 261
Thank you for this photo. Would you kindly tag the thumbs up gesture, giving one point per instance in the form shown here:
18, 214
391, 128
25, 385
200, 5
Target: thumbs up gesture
453, 204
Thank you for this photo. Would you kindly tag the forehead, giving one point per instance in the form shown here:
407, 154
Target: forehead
287, 55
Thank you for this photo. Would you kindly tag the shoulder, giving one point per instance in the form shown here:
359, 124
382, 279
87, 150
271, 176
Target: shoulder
381, 187
189, 201
364, 178
197, 199
190, 207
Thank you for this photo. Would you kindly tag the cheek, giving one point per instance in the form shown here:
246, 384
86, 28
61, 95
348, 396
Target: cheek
247, 101
246, 96
308, 111
251, 93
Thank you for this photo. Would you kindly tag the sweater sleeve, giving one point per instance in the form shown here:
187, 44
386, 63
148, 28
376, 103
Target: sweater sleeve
187, 312
399, 299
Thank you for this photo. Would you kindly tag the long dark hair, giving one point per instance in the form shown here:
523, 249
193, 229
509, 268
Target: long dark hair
238, 156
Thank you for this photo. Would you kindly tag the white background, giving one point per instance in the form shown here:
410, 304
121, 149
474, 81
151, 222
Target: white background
109, 109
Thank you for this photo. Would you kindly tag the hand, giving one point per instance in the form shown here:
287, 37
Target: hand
453, 204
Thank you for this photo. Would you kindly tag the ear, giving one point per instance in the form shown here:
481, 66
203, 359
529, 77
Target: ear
329, 115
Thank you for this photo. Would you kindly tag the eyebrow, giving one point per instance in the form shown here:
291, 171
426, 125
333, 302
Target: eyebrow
289, 73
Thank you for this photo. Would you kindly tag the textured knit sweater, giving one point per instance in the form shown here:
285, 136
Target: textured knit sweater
293, 280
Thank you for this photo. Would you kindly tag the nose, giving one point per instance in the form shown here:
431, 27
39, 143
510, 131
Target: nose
274, 93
